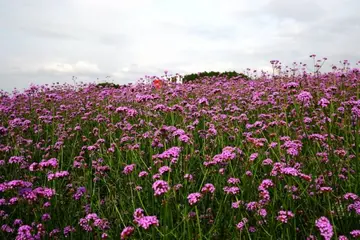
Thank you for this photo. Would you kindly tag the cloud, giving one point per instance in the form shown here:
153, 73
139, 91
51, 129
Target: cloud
304, 10
49, 33
43, 42
80, 67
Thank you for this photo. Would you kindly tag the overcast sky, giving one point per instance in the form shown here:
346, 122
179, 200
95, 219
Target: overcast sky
44, 41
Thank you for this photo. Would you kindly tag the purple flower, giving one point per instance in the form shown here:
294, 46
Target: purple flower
325, 228
51, 163
352, 196
236, 204
92, 220
355, 112
68, 230
208, 187
323, 102
24, 233
104, 235
228, 153
355, 233
262, 212
233, 181
147, 221
355, 206
284, 216
127, 232
44, 192
160, 187
289, 171
251, 206
164, 169
231, 190
7, 228
188, 177
54, 232
129, 169
184, 138
177, 186
241, 224
17, 222
267, 162
265, 184
46, 217
193, 198
304, 97
144, 221
253, 156
173, 152
203, 100
138, 213
79, 193
16, 159
60, 174
143, 174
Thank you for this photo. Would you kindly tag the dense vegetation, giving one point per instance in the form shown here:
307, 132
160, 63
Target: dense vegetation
197, 76
220, 158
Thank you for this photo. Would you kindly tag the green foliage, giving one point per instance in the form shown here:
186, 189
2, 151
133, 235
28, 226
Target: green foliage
108, 85
196, 76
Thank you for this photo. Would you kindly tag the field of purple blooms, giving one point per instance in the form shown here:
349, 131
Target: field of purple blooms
266, 158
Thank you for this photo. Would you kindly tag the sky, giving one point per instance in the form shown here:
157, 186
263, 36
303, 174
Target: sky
46, 41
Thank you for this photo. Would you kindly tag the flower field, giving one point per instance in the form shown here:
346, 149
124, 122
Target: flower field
265, 158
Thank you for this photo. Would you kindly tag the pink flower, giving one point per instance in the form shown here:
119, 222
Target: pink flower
352, 196
129, 169
194, 198
160, 187
236, 204
325, 228
262, 212
61, 174
188, 177
184, 138
143, 174
253, 157
265, 184
289, 171
241, 224
208, 187
164, 169
267, 162
251, 206
231, 190
144, 221
147, 221
323, 102
177, 186
284, 216
233, 180
126, 232
355, 233
304, 97
139, 213
173, 152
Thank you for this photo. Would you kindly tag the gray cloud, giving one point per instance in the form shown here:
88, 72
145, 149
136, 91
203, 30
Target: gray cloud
304, 10
45, 41
49, 33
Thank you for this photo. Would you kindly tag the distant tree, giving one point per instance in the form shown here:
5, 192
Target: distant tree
196, 76
108, 85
